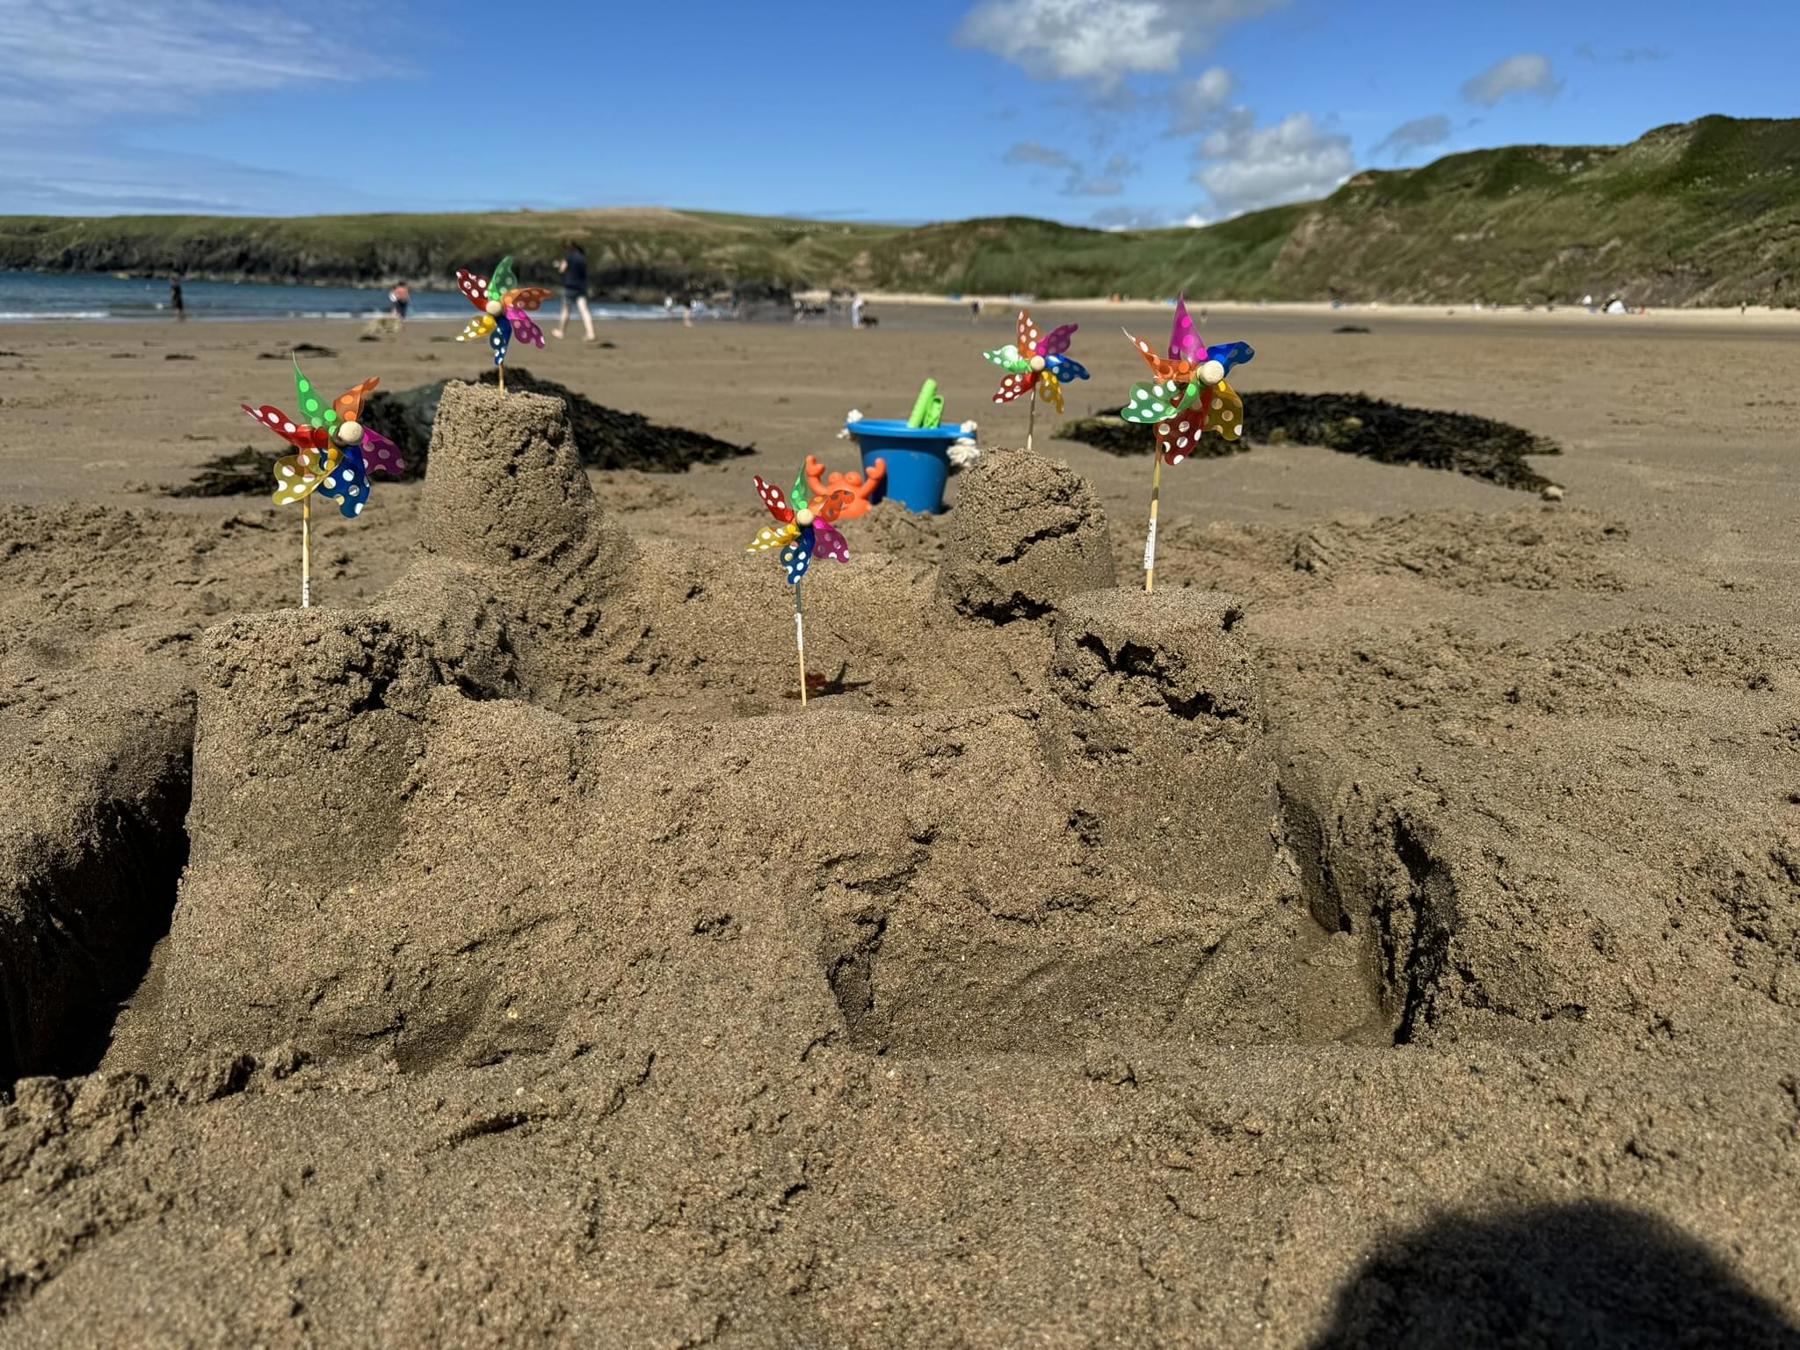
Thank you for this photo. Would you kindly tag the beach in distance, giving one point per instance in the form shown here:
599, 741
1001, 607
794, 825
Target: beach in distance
1408, 888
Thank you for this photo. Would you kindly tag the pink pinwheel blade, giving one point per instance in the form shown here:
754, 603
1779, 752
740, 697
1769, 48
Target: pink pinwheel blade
524, 329
383, 455
1057, 341
1184, 338
829, 543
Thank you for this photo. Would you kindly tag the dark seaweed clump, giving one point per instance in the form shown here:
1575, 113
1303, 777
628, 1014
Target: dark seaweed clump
605, 438
1356, 425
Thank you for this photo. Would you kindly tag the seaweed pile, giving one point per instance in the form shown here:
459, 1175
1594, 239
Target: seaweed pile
605, 438
1355, 424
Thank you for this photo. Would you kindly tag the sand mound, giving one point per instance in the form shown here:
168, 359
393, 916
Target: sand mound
1085, 967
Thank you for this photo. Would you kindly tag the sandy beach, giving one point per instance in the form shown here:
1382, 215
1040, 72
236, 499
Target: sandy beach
1389, 934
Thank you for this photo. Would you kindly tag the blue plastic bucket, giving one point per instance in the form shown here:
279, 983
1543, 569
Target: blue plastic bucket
918, 460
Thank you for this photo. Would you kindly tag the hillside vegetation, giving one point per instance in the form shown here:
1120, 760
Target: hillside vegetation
1703, 213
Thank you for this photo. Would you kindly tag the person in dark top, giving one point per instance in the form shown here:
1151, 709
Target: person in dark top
575, 282
176, 303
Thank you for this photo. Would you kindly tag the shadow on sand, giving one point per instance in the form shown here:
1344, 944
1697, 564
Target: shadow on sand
1589, 1275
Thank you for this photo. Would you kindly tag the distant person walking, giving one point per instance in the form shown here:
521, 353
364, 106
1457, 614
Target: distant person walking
176, 303
856, 311
974, 311
400, 297
575, 284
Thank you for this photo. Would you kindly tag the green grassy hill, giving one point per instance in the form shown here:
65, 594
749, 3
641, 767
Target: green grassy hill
1703, 213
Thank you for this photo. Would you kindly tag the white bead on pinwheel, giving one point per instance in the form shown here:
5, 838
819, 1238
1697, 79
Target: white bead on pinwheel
1038, 363
803, 517
1211, 372
349, 433
494, 307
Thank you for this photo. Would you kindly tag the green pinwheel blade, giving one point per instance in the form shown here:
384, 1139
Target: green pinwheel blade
1004, 356
313, 407
504, 278
798, 495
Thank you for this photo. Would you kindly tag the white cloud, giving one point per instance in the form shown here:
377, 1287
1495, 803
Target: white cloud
1198, 103
1041, 156
71, 62
1101, 41
1527, 73
1247, 167
1418, 134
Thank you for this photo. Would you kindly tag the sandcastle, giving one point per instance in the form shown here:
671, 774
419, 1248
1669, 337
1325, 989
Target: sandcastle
401, 840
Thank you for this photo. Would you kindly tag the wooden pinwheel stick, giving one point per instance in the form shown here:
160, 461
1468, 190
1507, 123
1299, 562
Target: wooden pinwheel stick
1030, 417
1150, 542
306, 552
800, 640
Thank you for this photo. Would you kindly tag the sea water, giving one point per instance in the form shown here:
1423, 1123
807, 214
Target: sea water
44, 295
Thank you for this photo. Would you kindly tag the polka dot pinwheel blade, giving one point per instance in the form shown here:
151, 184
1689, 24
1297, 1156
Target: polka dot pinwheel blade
828, 542
284, 426
348, 484
1050, 390
383, 455
1016, 386
1230, 355
1184, 338
1056, 342
769, 537
1225, 413
524, 329
1028, 334
1007, 356
499, 339
478, 328
1162, 368
298, 475
772, 498
349, 404
503, 280
1066, 368
473, 287
525, 297
798, 498
1148, 403
797, 556
1177, 437
313, 407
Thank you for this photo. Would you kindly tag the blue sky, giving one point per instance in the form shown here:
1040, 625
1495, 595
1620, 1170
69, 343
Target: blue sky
1117, 112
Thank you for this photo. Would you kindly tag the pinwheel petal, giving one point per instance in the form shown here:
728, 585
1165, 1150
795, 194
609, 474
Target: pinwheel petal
383, 455
474, 288
797, 498
772, 498
828, 542
797, 556
524, 329
299, 474
1156, 402
1225, 412
1050, 390
1028, 334
503, 280
347, 484
1177, 437
478, 328
1184, 338
1056, 341
1230, 354
1016, 386
769, 537
1066, 368
499, 338
349, 403
312, 403
1162, 368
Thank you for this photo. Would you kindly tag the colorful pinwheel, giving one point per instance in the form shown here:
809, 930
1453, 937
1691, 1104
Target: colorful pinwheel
333, 456
502, 302
806, 528
1038, 366
1190, 396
